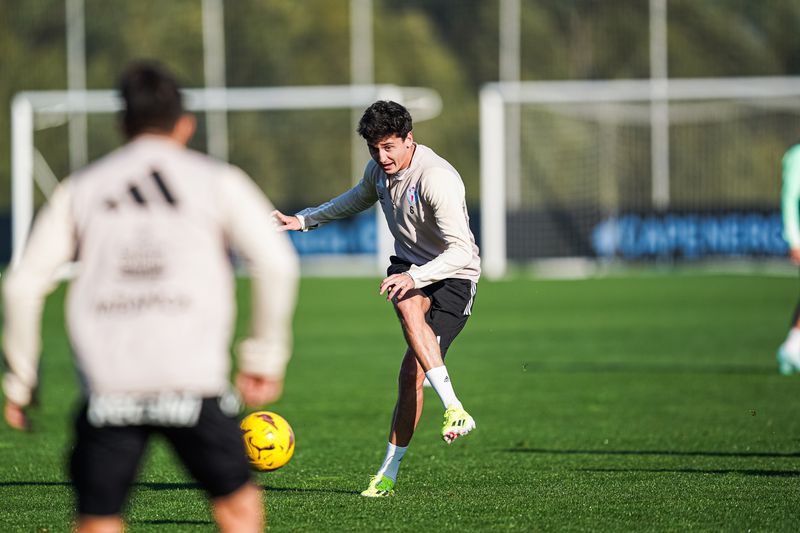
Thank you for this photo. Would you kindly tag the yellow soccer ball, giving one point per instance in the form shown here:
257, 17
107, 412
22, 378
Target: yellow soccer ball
268, 440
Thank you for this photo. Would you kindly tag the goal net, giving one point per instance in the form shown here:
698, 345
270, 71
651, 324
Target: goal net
634, 170
279, 135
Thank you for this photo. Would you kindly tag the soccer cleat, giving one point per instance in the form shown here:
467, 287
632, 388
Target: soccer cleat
457, 423
787, 365
379, 487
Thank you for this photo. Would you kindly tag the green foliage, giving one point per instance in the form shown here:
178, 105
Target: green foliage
640, 404
304, 158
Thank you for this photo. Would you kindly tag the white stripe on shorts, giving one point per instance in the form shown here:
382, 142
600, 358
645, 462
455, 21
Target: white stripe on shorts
472, 290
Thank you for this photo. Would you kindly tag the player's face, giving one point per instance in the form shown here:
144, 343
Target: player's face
393, 153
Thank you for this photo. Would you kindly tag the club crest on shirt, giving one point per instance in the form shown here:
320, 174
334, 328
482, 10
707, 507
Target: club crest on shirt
411, 194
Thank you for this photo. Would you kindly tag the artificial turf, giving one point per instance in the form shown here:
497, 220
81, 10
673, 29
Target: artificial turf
647, 403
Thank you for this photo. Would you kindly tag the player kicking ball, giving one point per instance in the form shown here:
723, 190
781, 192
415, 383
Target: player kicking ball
432, 277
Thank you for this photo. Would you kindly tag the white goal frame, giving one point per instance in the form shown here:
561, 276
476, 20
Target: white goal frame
659, 92
424, 104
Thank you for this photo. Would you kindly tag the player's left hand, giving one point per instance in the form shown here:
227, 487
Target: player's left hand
397, 285
15, 416
258, 390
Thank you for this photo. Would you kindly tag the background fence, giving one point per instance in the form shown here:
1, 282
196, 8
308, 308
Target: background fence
453, 47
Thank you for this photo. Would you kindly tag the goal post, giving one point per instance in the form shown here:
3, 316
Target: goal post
493, 181
594, 150
423, 103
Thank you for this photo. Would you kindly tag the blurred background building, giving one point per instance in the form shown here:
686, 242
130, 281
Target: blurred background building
637, 175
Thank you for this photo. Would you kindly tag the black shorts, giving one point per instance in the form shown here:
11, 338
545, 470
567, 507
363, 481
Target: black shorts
105, 460
451, 303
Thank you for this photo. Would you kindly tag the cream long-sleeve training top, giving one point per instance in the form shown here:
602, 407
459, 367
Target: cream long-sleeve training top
152, 306
426, 211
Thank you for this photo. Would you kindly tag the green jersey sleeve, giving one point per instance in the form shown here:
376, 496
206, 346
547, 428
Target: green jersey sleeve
790, 196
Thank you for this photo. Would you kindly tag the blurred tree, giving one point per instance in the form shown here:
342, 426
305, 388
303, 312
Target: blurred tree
410, 50
298, 157
32, 52
120, 32
449, 45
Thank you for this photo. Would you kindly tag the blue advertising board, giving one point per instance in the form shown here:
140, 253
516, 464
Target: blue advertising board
690, 235
356, 235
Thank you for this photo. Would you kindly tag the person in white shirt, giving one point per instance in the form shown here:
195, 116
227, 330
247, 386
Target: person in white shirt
433, 275
150, 312
789, 351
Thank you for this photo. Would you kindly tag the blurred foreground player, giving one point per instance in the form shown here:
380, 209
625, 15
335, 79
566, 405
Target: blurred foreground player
433, 276
789, 351
150, 312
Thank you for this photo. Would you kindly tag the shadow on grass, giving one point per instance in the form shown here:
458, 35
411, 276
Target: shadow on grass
574, 367
175, 486
309, 489
150, 486
669, 453
143, 485
35, 484
174, 522
745, 472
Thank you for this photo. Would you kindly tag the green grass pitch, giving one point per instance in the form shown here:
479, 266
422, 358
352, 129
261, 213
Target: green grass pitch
649, 403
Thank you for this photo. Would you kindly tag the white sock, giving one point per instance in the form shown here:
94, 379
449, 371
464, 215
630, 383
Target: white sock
440, 382
391, 463
792, 343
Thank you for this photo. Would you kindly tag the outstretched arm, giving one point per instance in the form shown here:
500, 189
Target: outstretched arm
361, 197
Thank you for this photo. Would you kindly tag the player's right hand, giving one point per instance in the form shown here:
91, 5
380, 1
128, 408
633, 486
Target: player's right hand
397, 285
15, 416
284, 222
258, 390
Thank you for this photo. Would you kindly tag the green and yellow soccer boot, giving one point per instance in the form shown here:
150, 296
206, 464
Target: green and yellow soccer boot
379, 487
457, 423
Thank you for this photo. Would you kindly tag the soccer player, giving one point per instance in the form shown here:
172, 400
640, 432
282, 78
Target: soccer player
789, 351
150, 311
431, 279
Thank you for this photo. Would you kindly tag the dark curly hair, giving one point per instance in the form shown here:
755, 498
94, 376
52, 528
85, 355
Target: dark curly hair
152, 99
382, 119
